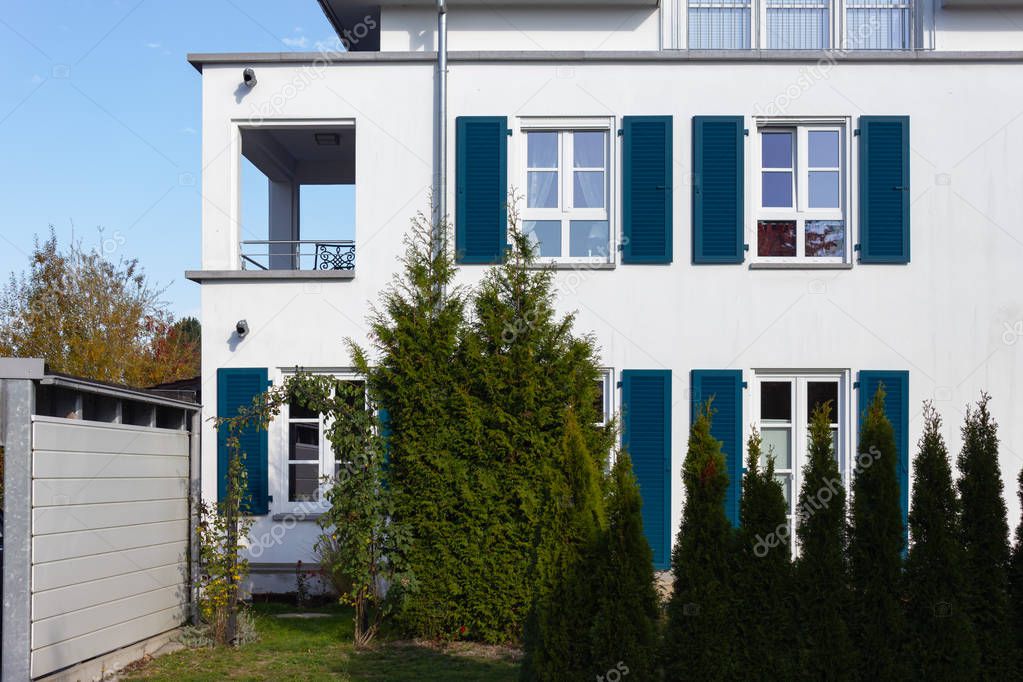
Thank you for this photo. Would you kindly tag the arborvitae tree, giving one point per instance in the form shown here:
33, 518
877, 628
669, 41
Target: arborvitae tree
1016, 582
763, 575
876, 542
476, 385
697, 638
524, 366
985, 540
556, 645
822, 598
941, 641
415, 334
625, 626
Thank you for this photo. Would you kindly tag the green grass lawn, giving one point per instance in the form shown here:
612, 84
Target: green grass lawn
291, 649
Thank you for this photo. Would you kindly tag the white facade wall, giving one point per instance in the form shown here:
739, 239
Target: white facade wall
109, 538
561, 26
946, 317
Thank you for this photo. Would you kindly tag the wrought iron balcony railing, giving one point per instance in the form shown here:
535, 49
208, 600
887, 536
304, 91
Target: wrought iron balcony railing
308, 254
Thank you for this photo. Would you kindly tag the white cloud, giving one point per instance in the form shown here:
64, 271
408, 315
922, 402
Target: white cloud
153, 46
329, 45
300, 41
188, 130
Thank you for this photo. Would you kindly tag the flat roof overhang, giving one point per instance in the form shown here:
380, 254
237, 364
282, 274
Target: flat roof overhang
198, 60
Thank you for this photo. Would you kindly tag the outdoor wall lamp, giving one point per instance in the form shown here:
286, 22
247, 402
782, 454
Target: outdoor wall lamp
249, 77
241, 328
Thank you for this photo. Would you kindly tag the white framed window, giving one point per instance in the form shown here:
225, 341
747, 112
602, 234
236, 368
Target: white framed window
605, 396
566, 168
800, 192
783, 403
307, 460
798, 24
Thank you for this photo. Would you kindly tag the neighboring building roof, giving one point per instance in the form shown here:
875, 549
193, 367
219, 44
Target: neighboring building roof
182, 389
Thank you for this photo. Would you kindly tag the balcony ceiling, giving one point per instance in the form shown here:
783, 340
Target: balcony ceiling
293, 154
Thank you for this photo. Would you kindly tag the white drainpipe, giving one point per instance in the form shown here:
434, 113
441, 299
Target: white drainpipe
441, 198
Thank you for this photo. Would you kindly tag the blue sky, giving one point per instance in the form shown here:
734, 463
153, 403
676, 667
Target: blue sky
100, 121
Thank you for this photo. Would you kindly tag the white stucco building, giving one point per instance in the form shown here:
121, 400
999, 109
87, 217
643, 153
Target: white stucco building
774, 203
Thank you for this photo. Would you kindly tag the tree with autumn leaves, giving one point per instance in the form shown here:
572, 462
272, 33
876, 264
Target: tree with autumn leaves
96, 318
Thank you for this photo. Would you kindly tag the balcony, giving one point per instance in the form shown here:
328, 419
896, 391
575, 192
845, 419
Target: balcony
307, 255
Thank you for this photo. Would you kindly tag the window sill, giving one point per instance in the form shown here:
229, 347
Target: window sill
800, 266
297, 516
554, 265
267, 275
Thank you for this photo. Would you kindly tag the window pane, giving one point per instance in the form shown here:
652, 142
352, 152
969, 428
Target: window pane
797, 24
820, 392
719, 24
823, 148
778, 442
589, 189
776, 238
304, 441
589, 149
543, 189
588, 238
776, 150
786, 488
877, 24
296, 411
825, 238
776, 189
545, 235
776, 400
824, 189
542, 150
303, 482
598, 402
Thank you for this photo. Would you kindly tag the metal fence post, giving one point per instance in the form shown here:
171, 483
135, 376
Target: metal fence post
19, 399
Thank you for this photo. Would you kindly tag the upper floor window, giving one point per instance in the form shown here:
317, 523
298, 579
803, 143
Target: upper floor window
801, 184
567, 179
799, 24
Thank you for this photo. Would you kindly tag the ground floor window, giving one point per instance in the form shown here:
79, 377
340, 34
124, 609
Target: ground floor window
308, 459
783, 405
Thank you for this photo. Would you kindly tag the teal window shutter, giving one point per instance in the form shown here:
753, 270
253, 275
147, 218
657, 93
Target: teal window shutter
896, 407
481, 178
236, 387
718, 189
725, 387
384, 421
646, 436
646, 189
884, 189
